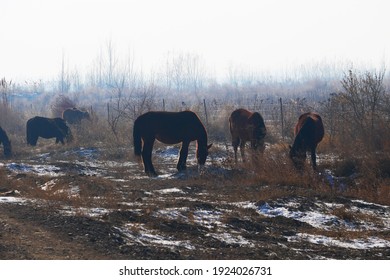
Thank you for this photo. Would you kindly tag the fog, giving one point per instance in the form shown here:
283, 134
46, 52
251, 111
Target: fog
40, 38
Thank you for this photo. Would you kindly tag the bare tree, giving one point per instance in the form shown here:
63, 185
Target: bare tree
360, 105
185, 72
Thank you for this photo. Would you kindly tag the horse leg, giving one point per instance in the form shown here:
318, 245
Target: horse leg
60, 139
313, 158
147, 158
242, 150
181, 164
34, 141
235, 144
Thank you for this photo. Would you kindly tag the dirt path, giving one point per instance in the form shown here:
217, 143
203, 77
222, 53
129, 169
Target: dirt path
25, 233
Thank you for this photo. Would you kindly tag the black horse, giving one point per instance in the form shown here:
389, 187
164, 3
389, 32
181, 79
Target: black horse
169, 128
6, 143
309, 131
47, 128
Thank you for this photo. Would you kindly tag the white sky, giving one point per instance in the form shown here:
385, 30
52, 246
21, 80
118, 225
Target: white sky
260, 35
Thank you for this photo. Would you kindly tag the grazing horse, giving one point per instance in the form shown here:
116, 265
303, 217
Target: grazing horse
47, 128
247, 126
75, 116
169, 128
309, 131
6, 143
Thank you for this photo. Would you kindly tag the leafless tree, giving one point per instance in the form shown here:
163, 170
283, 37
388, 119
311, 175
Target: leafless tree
185, 72
361, 103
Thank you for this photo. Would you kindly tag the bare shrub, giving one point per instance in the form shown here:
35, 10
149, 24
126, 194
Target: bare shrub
61, 103
361, 118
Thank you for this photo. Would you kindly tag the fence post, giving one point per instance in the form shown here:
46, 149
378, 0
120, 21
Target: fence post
281, 116
205, 112
108, 112
163, 104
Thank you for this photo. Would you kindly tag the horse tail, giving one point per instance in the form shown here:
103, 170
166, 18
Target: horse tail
29, 133
137, 141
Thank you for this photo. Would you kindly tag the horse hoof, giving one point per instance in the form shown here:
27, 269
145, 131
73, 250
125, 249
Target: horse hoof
152, 174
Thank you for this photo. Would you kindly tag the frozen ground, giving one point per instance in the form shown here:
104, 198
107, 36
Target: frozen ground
183, 216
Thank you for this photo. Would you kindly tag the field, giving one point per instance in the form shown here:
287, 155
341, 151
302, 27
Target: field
90, 199
71, 202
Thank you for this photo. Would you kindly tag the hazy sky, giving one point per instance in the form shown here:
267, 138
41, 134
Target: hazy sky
259, 35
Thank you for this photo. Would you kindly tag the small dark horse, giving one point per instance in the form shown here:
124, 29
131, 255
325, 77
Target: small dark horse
309, 131
169, 128
247, 126
47, 128
6, 143
75, 116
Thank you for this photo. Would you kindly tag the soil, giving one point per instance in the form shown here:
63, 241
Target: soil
190, 217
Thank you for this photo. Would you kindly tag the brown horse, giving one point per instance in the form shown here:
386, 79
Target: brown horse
6, 143
309, 131
247, 126
169, 128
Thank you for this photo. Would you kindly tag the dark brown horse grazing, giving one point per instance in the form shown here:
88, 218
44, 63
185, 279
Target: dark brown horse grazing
169, 128
247, 126
309, 131
47, 128
6, 143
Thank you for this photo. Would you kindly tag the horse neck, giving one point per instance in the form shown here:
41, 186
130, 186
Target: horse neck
298, 142
3, 138
201, 141
202, 138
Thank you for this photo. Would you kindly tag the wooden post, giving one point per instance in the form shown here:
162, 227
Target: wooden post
205, 112
163, 104
108, 112
281, 116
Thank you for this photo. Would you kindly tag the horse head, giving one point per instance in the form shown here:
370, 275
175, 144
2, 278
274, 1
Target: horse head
298, 155
202, 153
86, 115
259, 131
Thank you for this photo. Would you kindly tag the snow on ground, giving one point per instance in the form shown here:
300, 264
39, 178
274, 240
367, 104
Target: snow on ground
319, 216
364, 216
359, 243
39, 169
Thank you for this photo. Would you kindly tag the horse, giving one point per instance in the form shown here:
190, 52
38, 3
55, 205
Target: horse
47, 128
7, 149
75, 116
169, 128
247, 126
308, 132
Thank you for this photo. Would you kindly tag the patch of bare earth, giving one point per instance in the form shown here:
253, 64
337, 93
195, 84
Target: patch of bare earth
118, 213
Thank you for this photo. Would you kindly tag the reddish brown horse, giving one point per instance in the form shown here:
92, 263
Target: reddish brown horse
169, 128
247, 126
309, 131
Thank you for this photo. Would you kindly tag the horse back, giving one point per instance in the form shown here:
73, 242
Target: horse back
171, 127
310, 127
243, 123
47, 127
